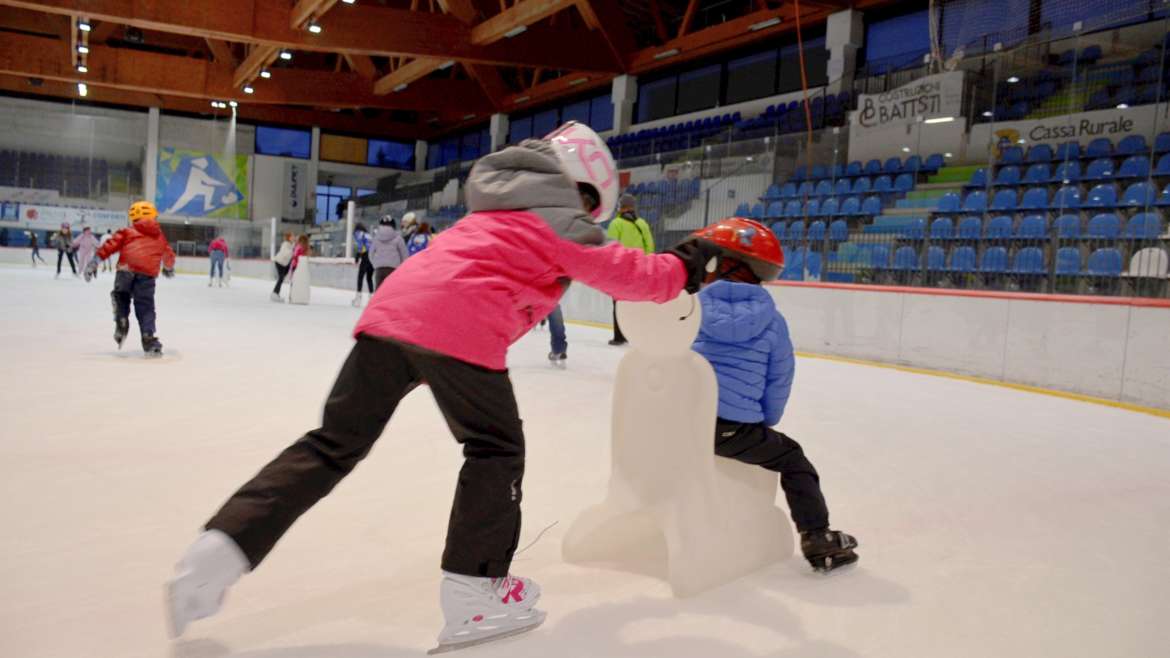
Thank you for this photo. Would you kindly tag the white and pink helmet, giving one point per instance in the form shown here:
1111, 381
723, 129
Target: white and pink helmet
587, 161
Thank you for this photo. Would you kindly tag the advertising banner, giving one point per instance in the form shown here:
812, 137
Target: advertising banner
934, 96
51, 217
295, 180
200, 184
1084, 127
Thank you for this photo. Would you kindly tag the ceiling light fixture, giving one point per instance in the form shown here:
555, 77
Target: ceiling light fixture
82, 89
468, 117
1013, 80
516, 31
905, 149
522, 99
82, 68
400, 87
248, 89
948, 155
666, 53
987, 113
315, 27
348, 2
1123, 106
84, 26
285, 55
755, 27
83, 49
233, 103
940, 120
265, 73
446, 65
578, 81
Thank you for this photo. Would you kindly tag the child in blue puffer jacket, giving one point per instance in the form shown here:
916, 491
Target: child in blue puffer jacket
746, 341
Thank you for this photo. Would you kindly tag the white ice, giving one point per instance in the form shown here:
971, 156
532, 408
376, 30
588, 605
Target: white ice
992, 522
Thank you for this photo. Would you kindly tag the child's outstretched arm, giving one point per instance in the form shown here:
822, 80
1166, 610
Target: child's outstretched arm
781, 369
112, 246
630, 274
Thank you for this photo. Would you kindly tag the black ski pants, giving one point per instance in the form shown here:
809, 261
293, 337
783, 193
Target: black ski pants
380, 275
480, 410
281, 272
365, 271
139, 288
761, 445
62, 253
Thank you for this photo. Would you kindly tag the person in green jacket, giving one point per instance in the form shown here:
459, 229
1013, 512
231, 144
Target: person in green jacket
631, 231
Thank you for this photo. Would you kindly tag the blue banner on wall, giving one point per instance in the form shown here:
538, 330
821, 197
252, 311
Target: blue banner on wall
199, 184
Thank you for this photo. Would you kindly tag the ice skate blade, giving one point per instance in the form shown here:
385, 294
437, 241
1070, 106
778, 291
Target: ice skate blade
456, 646
845, 567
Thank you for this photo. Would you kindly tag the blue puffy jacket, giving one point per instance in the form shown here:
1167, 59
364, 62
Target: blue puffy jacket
746, 340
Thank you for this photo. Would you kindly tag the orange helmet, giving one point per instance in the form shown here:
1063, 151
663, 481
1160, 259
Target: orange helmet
142, 210
746, 240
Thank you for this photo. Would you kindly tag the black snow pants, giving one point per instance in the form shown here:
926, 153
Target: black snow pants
761, 445
480, 410
365, 271
380, 275
140, 288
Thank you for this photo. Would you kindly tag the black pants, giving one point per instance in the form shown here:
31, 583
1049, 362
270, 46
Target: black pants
380, 275
480, 410
281, 272
72, 264
761, 445
140, 288
36, 253
617, 330
366, 270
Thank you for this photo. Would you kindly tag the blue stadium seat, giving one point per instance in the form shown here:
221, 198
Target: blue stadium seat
912, 165
1038, 173
942, 229
1099, 148
936, 259
800, 173
1009, 175
949, 203
998, 228
1162, 143
1163, 168
818, 172
1068, 227
1011, 155
1101, 196
830, 207
839, 231
1068, 261
841, 187
813, 263
892, 166
1144, 226
1131, 145
978, 178
904, 183
838, 170
851, 206
1068, 151
1032, 227
805, 190
743, 210
1029, 260
883, 185
853, 168
757, 211
871, 206
1003, 200
772, 194
1104, 262
816, 231
1066, 198
1035, 198
975, 202
879, 257
788, 191
1067, 172
1090, 55
775, 210
994, 261
1040, 153
779, 229
873, 167
1135, 166
812, 208
861, 185
1099, 169
963, 259
796, 232
824, 188
915, 229
792, 208
970, 228
1104, 226
906, 258
934, 162
1139, 195
794, 266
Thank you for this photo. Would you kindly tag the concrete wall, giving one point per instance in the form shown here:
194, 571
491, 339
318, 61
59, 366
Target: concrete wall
1113, 348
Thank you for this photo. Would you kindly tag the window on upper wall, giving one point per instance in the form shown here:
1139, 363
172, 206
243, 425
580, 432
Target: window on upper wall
361, 192
485, 141
330, 206
285, 142
601, 113
519, 130
397, 155
578, 111
469, 146
656, 99
897, 42
816, 59
751, 77
544, 123
699, 89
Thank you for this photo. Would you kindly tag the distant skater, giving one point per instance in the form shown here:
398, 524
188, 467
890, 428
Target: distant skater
36, 249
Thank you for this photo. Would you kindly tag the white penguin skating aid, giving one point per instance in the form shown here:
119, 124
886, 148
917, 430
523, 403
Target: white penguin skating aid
482, 610
209, 567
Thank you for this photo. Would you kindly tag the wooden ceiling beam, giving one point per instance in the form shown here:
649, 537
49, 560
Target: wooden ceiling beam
221, 50
688, 17
306, 10
362, 65
361, 29
412, 71
258, 58
607, 18
562, 86
520, 15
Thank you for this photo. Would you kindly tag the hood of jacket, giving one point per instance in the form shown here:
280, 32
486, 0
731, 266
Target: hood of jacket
529, 177
735, 312
385, 235
148, 227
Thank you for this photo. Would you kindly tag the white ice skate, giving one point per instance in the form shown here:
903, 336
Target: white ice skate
209, 567
275, 297
480, 610
357, 300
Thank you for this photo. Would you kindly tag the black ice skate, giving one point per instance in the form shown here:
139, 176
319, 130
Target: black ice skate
151, 345
827, 549
557, 359
121, 328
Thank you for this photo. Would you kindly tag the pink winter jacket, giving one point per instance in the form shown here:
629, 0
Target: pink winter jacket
486, 281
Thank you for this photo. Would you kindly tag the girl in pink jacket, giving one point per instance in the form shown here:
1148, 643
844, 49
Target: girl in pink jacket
86, 246
446, 319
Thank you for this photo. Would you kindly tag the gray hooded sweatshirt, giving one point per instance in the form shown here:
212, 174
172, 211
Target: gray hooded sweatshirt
388, 249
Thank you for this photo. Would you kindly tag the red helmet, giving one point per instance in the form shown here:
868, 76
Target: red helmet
749, 241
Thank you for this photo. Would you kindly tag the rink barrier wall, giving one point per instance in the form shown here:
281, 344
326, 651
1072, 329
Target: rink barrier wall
1111, 349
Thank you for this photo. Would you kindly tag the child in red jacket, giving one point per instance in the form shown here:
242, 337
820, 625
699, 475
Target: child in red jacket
144, 250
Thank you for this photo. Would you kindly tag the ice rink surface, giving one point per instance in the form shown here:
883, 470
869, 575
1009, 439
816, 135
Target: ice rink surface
992, 522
